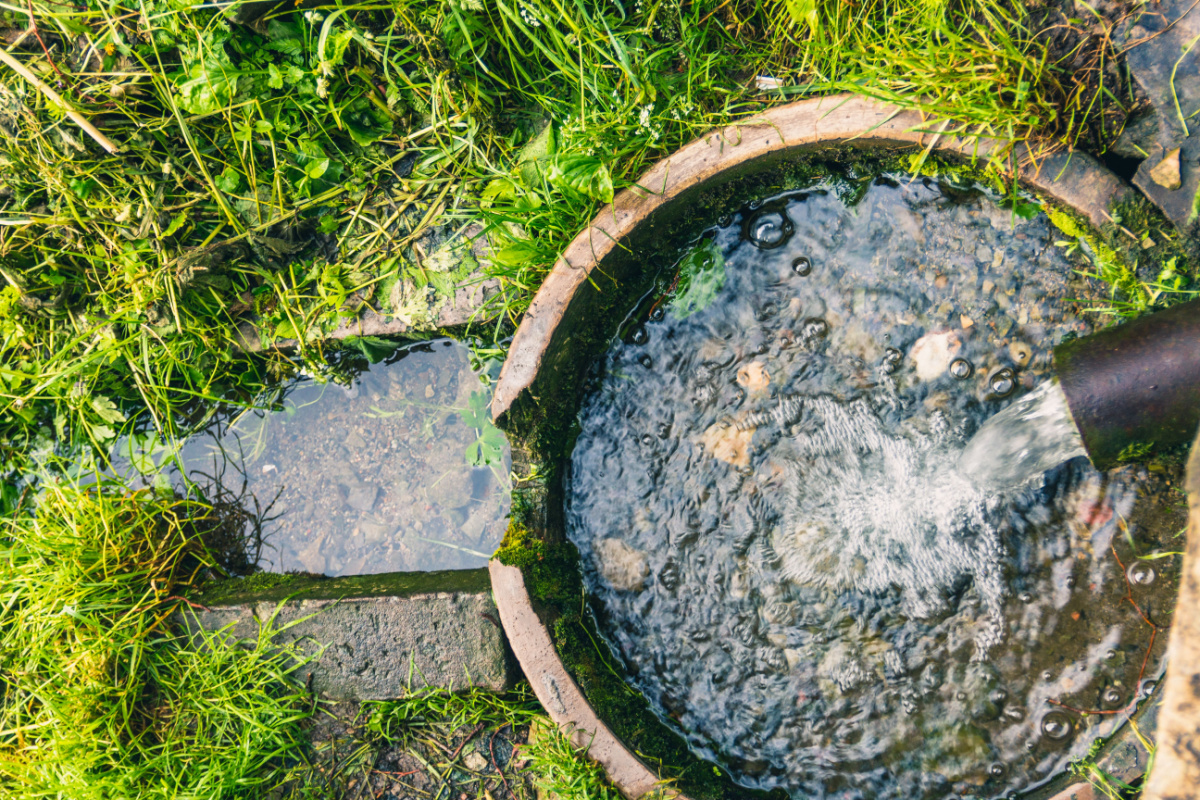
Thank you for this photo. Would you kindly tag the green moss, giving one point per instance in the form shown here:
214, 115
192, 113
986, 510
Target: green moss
267, 586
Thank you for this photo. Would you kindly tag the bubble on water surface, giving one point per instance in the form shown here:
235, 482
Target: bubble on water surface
1141, 573
961, 369
1112, 697
1057, 726
1002, 382
769, 229
802, 265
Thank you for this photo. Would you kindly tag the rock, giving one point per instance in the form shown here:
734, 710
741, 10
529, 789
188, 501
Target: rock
622, 566
1160, 50
375, 631
453, 489
728, 443
1166, 174
1020, 353
354, 441
374, 531
933, 353
475, 762
753, 377
362, 496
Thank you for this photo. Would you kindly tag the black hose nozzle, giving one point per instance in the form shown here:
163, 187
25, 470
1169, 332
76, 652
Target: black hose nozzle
1137, 383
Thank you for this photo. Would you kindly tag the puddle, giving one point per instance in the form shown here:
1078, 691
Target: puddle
766, 498
400, 471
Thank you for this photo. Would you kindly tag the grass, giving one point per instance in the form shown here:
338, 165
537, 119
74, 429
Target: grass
103, 696
280, 174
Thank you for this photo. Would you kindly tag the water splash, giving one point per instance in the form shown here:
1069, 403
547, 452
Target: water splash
1034, 434
905, 518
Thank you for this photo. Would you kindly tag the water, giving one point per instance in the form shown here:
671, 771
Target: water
793, 567
382, 475
1024, 440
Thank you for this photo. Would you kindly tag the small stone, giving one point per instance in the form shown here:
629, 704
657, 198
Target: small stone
933, 353
1167, 174
941, 281
428, 391
475, 762
362, 497
1147, 243
754, 377
729, 444
1020, 353
622, 566
988, 286
966, 321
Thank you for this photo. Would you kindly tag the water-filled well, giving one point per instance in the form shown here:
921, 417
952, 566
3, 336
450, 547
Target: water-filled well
781, 552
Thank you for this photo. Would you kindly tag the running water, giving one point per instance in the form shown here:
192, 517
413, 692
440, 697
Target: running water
790, 563
1034, 434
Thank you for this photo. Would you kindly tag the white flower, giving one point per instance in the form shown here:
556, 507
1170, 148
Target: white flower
322, 87
313, 17
529, 17
166, 168
644, 116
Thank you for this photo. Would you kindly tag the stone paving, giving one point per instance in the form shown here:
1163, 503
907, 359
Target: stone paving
1161, 45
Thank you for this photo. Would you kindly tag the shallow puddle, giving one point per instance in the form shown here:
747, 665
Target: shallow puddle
400, 471
793, 569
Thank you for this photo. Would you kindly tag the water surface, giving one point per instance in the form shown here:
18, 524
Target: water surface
787, 558
398, 470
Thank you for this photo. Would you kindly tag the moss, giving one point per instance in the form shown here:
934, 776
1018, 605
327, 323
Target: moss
268, 586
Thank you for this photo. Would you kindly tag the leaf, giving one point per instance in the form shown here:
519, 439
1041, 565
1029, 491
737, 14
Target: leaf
374, 348
499, 189
803, 12
701, 276
177, 222
274, 77
292, 48
211, 86
337, 44
517, 254
107, 410
365, 123
229, 180
316, 168
584, 174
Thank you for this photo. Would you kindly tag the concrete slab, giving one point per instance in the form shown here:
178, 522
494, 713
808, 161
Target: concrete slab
378, 635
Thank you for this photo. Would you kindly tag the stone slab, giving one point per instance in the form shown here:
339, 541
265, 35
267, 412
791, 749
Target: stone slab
1156, 49
375, 637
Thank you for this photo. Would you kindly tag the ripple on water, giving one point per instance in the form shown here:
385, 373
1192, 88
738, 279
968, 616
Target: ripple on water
766, 498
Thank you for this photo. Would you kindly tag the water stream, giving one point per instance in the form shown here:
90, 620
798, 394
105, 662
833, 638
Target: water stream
1020, 443
785, 552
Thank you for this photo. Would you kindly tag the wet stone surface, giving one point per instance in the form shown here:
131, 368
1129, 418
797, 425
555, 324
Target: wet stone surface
378, 476
1161, 51
766, 499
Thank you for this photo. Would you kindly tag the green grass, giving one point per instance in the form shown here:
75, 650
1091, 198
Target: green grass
101, 696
